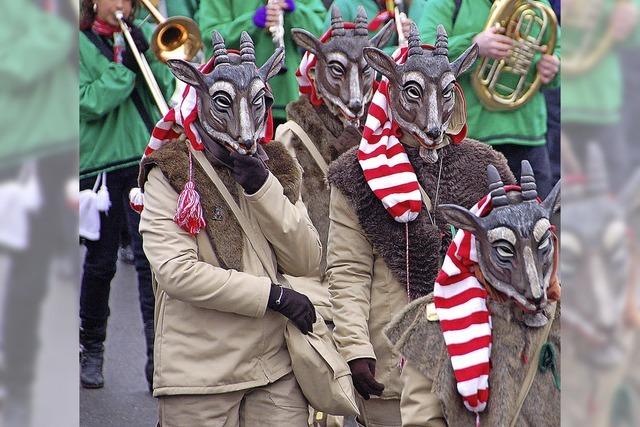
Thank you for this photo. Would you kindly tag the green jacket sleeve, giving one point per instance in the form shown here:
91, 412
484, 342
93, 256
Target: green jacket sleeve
218, 15
441, 12
101, 93
310, 15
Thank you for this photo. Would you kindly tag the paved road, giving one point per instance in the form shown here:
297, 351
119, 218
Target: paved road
124, 401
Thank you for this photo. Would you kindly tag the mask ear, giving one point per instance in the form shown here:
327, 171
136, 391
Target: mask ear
552, 203
465, 61
306, 41
186, 72
383, 36
461, 218
273, 65
381, 62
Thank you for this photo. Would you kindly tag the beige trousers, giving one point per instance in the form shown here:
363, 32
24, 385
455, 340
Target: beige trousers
273, 405
379, 412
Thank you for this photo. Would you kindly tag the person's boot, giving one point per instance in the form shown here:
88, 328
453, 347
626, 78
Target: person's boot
92, 356
149, 336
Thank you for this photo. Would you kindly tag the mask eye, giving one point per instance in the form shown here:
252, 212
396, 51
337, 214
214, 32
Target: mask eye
413, 92
258, 100
545, 243
336, 69
504, 249
366, 69
447, 93
222, 101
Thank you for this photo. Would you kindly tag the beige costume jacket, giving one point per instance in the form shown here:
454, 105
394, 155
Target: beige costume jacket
214, 333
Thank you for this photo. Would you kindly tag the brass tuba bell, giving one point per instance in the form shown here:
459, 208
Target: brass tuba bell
503, 84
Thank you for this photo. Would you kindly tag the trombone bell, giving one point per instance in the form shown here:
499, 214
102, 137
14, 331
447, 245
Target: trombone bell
176, 38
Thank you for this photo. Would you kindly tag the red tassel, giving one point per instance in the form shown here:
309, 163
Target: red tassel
189, 215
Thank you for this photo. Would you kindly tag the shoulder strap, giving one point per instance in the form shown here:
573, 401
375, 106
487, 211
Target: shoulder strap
425, 198
456, 9
246, 226
531, 373
135, 96
306, 141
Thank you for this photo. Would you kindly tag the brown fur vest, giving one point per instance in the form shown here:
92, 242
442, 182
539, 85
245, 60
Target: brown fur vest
463, 182
322, 128
222, 227
421, 342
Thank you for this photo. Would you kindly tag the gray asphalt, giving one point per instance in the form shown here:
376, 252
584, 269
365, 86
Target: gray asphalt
124, 401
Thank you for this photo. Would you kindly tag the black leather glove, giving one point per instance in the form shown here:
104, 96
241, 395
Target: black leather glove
350, 137
249, 171
139, 39
363, 372
293, 305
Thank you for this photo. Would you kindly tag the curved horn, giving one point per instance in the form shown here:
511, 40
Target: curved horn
247, 50
528, 182
413, 41
496, 187
361, 23
219, 49
337, 26
442, 42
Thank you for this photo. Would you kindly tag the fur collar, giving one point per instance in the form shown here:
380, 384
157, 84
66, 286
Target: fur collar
222, 227
463, 182
323, 128
513, 349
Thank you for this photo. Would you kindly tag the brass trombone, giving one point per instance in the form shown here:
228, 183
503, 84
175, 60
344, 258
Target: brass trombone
158, 97
177, 37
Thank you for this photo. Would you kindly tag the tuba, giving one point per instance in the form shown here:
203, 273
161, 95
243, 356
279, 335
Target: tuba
593, 43
503, 84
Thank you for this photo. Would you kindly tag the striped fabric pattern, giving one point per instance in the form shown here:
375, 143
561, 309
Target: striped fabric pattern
465, 321
383, 160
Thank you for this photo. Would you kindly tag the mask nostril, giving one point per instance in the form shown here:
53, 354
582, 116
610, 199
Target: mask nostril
355, 105
433, 133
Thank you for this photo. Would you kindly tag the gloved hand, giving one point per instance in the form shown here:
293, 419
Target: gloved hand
139, 39
350, 137
249, 171
363, 372
293, 305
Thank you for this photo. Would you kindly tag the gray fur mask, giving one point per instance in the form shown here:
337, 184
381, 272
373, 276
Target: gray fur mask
514, 241
422, 90
234, 98
343, 79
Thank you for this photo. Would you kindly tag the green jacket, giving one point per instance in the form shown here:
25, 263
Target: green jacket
595, 96
188, 8
39, 90
112, 133
230, 18
349, 10
526, 125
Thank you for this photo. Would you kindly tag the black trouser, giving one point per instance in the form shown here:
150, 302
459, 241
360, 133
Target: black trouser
101, 256
537, 156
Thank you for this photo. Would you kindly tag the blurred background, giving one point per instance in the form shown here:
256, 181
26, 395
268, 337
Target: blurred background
600, 213
38, 214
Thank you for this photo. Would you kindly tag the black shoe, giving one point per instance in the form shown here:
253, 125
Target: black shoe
91, 369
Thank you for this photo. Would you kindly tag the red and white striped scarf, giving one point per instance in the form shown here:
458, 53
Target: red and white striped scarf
306, 85
382, 157
184, 115
461, 304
